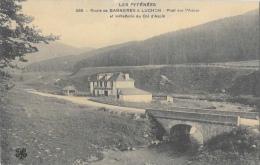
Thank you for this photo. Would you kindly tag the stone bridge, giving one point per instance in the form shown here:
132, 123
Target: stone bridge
202, 126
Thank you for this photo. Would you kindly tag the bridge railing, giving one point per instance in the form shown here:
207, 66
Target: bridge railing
192, 116
248, 115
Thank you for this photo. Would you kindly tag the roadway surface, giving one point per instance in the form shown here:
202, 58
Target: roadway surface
86, 101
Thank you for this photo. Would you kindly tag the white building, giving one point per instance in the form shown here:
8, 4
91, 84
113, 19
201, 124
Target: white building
118, 85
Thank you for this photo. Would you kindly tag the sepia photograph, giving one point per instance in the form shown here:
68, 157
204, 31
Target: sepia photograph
129, 82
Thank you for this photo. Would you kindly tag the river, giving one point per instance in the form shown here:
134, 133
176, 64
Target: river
162, 154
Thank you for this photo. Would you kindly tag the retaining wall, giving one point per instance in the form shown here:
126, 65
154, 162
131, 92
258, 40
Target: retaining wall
198, 117
248, 115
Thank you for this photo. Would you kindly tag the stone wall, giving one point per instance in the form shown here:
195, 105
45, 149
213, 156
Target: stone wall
199, 117
248, 115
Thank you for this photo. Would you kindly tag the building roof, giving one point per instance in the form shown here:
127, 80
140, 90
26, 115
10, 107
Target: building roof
102, 79
69, 88
132, 91
113, 77
119, 77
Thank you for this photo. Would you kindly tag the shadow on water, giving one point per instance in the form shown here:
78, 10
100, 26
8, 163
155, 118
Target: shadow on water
176, 149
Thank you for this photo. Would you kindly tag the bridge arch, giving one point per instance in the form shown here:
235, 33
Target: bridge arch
206, 125
185, 133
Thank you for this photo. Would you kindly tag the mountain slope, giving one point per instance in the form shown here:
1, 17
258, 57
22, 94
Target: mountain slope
229, 39
248, 85
66, 63
52, 50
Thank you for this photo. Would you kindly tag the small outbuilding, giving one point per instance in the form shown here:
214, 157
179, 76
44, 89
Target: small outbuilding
69, 90
163, 98
134, 95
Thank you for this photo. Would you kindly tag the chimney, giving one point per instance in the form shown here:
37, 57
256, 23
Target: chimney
126, 76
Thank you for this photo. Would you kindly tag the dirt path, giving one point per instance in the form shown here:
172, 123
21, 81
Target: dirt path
86, 101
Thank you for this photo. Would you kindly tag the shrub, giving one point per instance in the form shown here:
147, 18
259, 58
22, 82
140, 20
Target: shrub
238, 140
239, 146
157, 130
103, 109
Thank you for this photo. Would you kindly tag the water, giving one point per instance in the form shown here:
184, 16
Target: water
162, 154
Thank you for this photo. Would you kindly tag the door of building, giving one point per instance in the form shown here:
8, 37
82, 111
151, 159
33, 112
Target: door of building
106, 93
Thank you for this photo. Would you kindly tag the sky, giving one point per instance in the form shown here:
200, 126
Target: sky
97, 29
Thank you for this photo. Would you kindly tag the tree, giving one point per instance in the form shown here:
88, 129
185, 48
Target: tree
17, 36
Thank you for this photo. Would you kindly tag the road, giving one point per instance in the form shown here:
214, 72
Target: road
86, 101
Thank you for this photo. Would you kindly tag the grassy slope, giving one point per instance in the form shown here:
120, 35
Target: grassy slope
58, 132
93, 70
191, 78
187, 78
235, 78
248, 84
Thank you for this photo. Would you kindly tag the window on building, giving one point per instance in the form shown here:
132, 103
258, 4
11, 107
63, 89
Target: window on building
101, 84
111, 84
105, 83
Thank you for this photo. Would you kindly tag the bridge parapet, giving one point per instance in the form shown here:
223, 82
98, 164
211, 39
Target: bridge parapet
248, 115
197, 117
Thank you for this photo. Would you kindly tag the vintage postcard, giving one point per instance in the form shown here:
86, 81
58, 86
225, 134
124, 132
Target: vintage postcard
129, 82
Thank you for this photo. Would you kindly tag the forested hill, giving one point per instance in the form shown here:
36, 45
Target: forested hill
229, 39
67, 63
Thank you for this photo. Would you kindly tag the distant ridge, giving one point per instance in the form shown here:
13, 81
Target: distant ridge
66, 63
52, 50
252, 12
229, 39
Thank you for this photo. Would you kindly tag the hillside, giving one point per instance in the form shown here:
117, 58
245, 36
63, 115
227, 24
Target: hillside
228, 39
67, 63
52, 50
224, 40
94, 70
247, 85
196, 78
188, 79
56, 131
